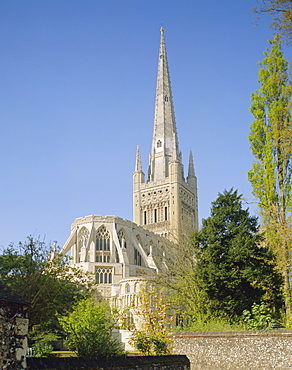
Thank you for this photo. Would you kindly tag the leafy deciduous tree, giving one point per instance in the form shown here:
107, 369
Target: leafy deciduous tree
89, 327
180, 279
50, 286
271, 143
281, 12
152, 338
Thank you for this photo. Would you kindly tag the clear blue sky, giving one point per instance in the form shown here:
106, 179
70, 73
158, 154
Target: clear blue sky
77, 89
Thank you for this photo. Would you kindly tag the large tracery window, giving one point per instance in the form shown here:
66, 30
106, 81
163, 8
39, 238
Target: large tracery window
102, 239
104, 275
102, 245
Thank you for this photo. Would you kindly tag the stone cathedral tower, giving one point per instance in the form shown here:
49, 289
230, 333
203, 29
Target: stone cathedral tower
166, 201
123, 254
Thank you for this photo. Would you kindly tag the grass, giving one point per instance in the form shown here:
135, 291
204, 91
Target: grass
203, 324
64, 353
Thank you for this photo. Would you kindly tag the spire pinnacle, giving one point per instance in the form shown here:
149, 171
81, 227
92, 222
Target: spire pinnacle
138, 165
191, 170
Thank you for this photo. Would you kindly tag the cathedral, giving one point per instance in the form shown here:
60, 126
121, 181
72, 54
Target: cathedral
121, 253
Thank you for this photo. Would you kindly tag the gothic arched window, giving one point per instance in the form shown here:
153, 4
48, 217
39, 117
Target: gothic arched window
82, 243
102, 239
159, 144
83, 238
122, 239
102, 245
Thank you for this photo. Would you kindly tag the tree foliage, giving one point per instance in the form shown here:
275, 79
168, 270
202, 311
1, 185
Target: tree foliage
271, 143
152, 338
233, 269
50, 286
89, 327
180, 278
281, 12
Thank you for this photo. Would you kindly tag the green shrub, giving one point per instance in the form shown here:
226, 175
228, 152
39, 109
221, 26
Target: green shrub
42, 349
153, 336
259, 318
89, 328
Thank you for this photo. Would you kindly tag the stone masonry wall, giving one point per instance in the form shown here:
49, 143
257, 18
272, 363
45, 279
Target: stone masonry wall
13, 335
236, 350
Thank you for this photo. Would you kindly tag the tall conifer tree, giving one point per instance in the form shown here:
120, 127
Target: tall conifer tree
271, 143
233, 269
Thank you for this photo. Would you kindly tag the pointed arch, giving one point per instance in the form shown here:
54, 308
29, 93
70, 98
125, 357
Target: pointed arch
102, 245
122, 238
82, 243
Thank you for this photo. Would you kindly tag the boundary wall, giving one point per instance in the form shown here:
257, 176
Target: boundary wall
268, 349
171, 362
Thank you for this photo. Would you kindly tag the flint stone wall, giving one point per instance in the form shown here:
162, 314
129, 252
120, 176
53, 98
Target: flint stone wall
13, 335
175, 362
271, 349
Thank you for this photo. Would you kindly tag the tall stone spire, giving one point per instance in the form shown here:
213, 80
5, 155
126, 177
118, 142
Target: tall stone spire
166, 204
165, 141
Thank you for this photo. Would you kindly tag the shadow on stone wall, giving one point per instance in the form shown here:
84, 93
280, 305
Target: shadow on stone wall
171, 362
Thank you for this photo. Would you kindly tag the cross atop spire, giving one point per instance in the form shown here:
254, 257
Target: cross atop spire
164, 141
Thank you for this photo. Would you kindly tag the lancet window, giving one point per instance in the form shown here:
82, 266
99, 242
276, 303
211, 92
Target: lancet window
137, 257
122, 239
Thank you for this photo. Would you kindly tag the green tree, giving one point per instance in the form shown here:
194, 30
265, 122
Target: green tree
281, 12
180, 279
233, 269
271, 143
152, 337
51, 286
89, 327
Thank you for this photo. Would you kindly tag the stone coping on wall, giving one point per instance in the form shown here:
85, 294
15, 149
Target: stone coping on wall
235, 334
125, 362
